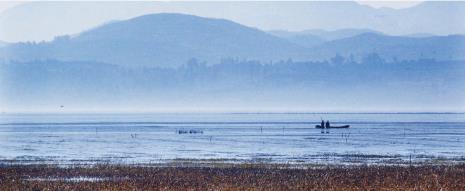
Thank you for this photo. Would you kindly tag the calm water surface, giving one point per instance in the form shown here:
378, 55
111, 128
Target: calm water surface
289, 137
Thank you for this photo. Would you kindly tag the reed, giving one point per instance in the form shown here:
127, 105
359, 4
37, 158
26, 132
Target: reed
245, 176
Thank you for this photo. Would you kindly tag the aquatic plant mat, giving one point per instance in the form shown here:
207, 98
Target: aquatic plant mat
228, 176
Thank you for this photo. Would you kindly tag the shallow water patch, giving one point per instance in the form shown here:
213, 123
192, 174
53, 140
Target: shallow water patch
76, 179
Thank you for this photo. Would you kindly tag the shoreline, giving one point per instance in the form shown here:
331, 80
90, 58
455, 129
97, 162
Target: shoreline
325, 159
224, 176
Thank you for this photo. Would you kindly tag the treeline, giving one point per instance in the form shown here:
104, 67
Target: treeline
231, 73
236, 83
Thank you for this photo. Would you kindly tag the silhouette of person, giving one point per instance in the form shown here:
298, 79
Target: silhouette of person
322, 126
327, 126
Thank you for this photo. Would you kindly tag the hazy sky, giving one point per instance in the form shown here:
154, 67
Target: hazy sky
50, 19
399, 4
4, 5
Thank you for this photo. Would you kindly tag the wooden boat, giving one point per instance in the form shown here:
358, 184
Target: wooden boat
333, 127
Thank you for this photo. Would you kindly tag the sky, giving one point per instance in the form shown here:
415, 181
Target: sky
51, 19
398, 4
4, 5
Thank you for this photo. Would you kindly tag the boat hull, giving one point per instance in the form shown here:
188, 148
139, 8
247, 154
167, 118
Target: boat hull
333, 127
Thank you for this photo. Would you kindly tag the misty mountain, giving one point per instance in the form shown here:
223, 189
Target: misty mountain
50, 19
311, 38
450, 47
420, 35
170, 40
338, 34
357, 44
324, 34
174, 60
166, 40
372, 83
302, 39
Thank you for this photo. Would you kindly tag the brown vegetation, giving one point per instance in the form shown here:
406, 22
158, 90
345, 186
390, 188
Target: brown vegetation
241, 177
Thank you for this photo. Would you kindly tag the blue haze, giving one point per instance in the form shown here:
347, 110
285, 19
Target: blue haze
235, 85
50, 19
252, 78
177, 62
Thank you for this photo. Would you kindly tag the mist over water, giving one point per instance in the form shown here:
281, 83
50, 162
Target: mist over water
340, 85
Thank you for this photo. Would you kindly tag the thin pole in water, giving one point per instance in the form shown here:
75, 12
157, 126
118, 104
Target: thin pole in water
410, 159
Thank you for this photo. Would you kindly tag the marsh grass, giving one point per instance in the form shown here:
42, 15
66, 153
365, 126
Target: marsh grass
227, 176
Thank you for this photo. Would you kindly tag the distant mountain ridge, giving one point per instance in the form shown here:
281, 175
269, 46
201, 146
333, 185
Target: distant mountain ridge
450, 47
166, 40
302, 39
314, 37
49, 19
171, 40
325, 34
176, 60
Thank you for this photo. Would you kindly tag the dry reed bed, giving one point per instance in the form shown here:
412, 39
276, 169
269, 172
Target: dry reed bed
242, 177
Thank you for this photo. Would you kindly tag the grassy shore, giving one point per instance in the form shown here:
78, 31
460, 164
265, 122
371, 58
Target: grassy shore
233, 177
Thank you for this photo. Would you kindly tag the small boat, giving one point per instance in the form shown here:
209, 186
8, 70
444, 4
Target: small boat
333, 127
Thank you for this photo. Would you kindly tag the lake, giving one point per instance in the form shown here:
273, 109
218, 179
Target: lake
268, 137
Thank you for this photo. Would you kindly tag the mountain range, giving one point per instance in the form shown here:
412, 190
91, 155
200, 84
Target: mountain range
164, 40
311, 38
50, 19
168, 60
450, 47
170, 40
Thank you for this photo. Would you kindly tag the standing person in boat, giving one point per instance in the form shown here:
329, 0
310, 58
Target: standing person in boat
327, 126
322, 126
